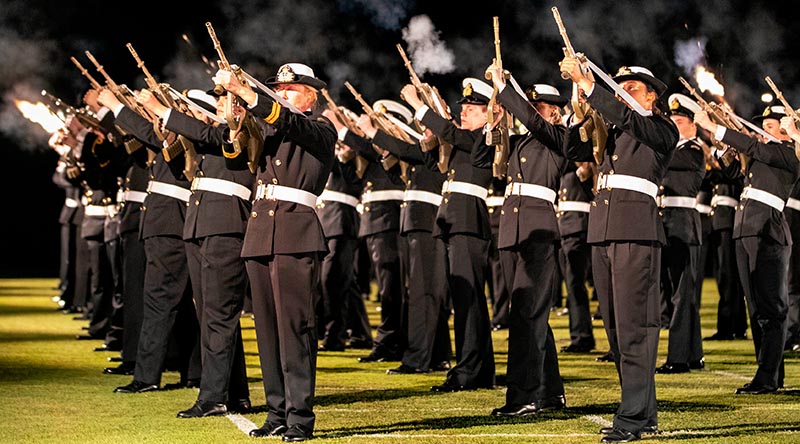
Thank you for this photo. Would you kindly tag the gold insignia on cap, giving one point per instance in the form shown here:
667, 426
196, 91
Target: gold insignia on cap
382, 109
767, 111
285, 74
533, 94
674, 104
467, 90
624, 71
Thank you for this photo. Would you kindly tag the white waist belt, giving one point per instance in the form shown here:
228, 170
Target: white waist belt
530, 190
495, 201
337, 196
112, 211
793, 204
133, 196
70, 202
574, 205
465, 188
703, 209
626, 182
97, 210
381, 195
676, 202
764, 197
169, 190
725, 201
422, 196
221, 186
289, 194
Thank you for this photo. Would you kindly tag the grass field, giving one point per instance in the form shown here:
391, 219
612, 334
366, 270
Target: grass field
52, 390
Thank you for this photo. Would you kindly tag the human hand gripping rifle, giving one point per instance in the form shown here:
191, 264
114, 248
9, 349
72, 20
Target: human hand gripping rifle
430, 96
720, 116
245, 132
131, 144
180, 145
594, 127
382, 122
349, 122
498, 134
63, 110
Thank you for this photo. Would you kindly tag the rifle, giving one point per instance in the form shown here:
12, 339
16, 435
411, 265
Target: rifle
95, 84
60, 108
431, 97
594, 128
382, 122
245, 132
160, 90
779, 95
499, 131
349, 122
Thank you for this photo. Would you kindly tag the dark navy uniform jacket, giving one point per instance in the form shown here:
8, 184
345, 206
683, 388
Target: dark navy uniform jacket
684, 177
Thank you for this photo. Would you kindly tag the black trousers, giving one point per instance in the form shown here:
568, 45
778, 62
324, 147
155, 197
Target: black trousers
763, 265
133, 266
166, 292
100, 287
219, 282
679, 280
577, 256
626, 278
499, 294
793, 328
384, 252
338, 280
425, 309
286, 289
116, 322
82, 272
466, 277
67, 263
530, 272
731, 311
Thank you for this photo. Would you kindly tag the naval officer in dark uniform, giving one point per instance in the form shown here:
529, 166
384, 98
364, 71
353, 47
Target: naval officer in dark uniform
679, 280
527, 240
284, 243
762, 236
627, 235
462, 222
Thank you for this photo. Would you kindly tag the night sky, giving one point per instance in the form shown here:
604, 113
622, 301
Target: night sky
741, 42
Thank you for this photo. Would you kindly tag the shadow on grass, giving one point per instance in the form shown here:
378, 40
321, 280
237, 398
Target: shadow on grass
734, 430
372, 395
571, 413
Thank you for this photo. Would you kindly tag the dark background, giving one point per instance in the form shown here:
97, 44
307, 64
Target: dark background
351, 40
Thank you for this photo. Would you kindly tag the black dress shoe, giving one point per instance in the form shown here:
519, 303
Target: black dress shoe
297, 433
123, 369
114, 359
203, 409
646, 430
87, 337
240, 406
136, 387
697, 365
379, 355
741, 336
517, 411
106, 348
671, 368
577, 348
719, 337
269, 429
405, 370
449, 386
331, 348
498, 327
441, 367
620, 435
755, 389
552, 403
607, 357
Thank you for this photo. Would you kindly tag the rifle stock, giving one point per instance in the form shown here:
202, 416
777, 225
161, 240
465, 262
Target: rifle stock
158, 89
499, 132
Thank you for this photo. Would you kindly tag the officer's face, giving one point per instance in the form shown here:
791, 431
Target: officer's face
685, 125
773, 127
638, 90
472, 116
301, 96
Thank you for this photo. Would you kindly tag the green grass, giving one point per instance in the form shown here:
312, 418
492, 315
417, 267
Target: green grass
52, 391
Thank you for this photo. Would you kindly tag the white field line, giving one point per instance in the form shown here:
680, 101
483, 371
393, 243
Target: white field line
242, 423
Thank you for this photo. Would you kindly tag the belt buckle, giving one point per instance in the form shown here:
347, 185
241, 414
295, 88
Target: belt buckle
269, 193
601, 180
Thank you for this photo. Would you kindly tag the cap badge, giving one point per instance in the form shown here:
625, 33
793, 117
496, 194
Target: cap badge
285, 74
